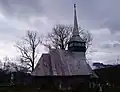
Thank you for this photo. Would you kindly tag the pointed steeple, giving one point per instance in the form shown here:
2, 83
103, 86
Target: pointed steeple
75, 30
76, 43
75, 33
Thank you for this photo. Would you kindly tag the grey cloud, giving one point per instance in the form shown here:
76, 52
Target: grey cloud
8, 35
116, 45
113, 25
93, 14
106, 46
105, 15
21, 8
112, 45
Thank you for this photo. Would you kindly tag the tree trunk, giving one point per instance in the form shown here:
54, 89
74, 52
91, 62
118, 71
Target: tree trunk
33, 54
32, 66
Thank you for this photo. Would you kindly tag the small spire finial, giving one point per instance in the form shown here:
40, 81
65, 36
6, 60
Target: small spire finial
74, 6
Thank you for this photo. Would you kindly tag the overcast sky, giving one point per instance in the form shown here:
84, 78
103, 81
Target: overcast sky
100, 17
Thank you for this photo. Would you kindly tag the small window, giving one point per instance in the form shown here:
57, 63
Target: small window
75, 44
79, 44
82, 44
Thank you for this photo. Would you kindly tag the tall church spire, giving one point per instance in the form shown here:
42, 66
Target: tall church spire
76, 43
75, 30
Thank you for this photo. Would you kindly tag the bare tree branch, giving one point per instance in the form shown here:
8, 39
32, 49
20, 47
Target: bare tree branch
61, 34
28, 48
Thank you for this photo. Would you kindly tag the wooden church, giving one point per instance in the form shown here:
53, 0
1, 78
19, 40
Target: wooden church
66, 67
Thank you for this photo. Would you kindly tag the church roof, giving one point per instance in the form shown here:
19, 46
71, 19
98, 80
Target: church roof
78, 39
62, 63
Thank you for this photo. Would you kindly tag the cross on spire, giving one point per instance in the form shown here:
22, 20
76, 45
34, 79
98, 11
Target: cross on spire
74, 6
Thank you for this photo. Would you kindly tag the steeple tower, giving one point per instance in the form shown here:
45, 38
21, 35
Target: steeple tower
76, 43
75, 32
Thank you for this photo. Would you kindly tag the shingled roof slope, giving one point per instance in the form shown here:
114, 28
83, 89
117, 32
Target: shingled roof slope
62, 63
43, 67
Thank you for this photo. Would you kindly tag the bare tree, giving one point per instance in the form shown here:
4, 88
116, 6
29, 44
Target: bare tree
61, 34
28, 48
87, 37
